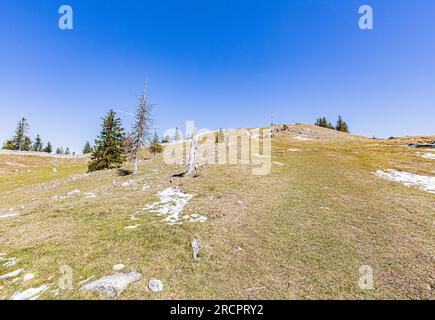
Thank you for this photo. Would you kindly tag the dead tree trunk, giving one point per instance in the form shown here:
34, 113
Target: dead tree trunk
192, 165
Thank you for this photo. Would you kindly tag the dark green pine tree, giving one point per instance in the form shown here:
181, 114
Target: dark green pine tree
67, 152
87, 148
59, 150
166, 139
37, 145
155, 146
177, 135
220, 137
9, 145
48, 148
109, 148
27, 146
19, 139
341, 125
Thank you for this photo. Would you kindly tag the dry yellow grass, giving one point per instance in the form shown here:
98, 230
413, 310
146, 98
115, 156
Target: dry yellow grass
301, 232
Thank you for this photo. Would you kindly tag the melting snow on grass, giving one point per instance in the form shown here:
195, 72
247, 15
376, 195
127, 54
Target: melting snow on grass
428, 156
302, 138
171, 205
30, 294
409, 179
10, 262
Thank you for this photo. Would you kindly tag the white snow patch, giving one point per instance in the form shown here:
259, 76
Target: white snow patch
90, 195
74, 192
86, 280
302, 138
171, 204
145, 187
30, 294
10, 262
133, 227
8, 215
295, 150
428, 156
261, 155
278, 163
409, 179
15, 164
11, 274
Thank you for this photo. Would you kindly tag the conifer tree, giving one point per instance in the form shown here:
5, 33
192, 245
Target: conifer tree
141, 130
155, 146
48, 148
341, 125
109, 147
220, 137
87, 148
27, 146
67, 152
19, 139
177, 134
9, 145
59, 150
37, 145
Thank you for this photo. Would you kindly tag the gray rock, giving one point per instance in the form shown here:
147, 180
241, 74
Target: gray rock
113, 285
155, 285
195, 248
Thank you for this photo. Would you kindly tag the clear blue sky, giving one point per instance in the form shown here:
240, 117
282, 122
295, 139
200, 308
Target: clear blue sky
221, 63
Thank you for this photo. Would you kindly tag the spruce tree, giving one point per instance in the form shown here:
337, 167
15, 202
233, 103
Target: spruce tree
19, 139
67, 152
59, 150
166, 139
87, 148
341, 125
155, 147
9, 145
177, 135
48, 148
109, 147
37, 145
220, 137
27, 146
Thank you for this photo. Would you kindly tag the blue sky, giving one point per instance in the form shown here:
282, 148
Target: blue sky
221, 63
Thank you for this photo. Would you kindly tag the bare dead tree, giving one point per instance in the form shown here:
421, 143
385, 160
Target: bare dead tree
141, 131
192, 165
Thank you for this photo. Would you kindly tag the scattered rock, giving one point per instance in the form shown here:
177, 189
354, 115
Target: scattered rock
195, 248
113, 285
28, 276
118, 267
55, 170
155, 285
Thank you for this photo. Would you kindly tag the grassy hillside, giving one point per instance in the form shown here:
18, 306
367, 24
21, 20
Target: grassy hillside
301, 232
